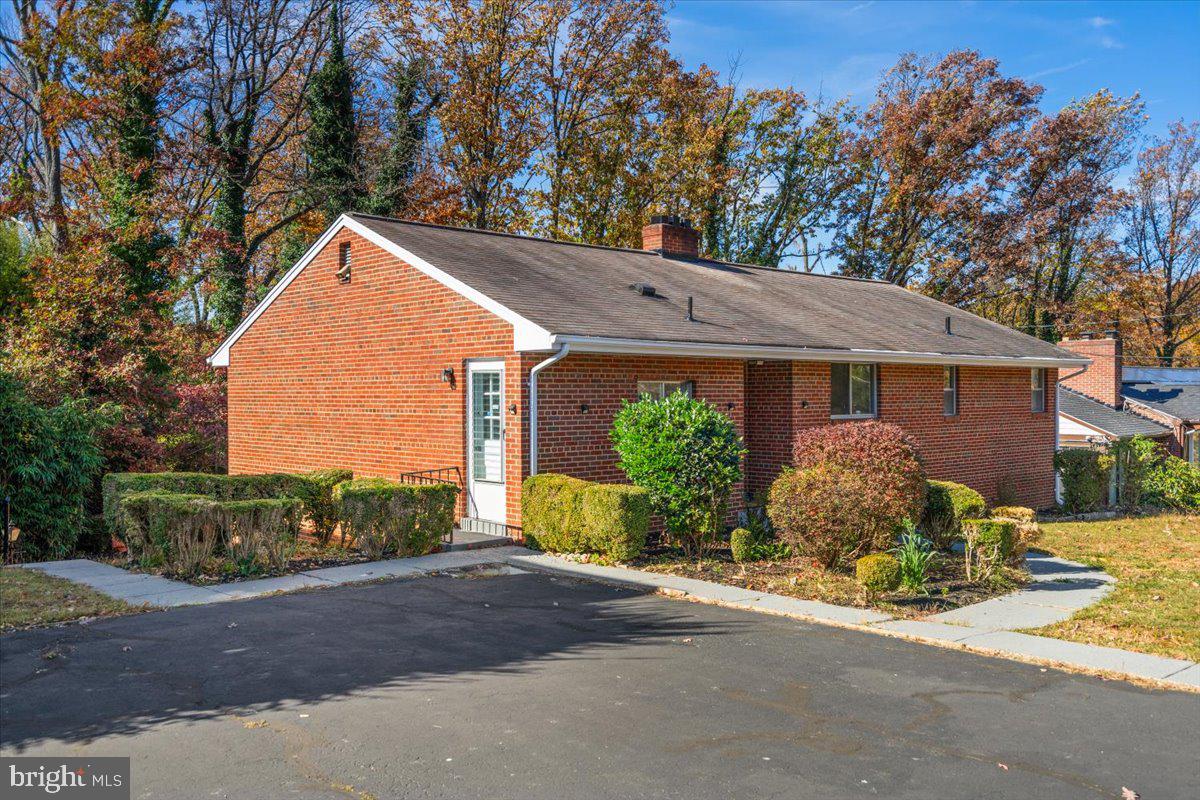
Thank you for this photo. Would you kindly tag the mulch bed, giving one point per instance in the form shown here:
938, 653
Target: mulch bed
947, 588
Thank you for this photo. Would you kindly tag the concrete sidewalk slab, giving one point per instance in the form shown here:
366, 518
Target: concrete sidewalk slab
1068, 595
264, 586
1079, 655
927, 630
1045, 567
1189, 676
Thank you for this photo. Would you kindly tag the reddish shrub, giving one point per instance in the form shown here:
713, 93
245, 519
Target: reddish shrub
894, 485
818, 512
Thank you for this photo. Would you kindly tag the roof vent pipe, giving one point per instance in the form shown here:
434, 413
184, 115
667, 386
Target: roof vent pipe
948, 331
690, 318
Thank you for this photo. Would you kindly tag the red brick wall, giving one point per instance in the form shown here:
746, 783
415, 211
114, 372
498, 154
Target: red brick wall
349, 375
576, 442
993, 438
769, 388
671, 239
1102, 378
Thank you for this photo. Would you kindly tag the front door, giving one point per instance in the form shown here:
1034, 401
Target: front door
485, 440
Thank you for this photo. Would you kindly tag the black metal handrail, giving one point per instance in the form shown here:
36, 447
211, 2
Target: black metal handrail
437, 475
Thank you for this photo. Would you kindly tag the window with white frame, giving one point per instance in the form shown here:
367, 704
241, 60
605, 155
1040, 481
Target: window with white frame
343, 272
657, 390
852, 390
949, 391
1037, 390
1191, 448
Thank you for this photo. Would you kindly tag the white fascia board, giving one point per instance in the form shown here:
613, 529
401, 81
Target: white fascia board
526, 335
1087, 425
595, 344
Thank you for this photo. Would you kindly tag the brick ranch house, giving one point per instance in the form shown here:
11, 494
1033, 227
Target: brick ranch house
393, 347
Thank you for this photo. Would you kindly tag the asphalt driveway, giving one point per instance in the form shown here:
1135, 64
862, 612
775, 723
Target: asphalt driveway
526, 686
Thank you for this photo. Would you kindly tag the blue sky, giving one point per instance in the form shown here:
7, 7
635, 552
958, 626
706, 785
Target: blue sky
1070, 48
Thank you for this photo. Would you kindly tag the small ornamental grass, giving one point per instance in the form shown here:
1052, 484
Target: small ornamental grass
915, 555
687, 455
389, 518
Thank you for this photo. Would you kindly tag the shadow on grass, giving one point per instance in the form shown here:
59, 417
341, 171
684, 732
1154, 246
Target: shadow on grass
121, 676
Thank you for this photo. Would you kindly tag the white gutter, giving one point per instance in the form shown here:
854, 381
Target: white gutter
533, 404
600, 344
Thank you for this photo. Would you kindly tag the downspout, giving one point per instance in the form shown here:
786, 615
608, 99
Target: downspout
533, 404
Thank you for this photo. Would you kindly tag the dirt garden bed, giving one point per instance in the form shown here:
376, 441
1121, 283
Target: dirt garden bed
947, 587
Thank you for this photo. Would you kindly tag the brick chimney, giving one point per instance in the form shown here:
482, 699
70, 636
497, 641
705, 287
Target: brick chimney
1102, 379
671, 236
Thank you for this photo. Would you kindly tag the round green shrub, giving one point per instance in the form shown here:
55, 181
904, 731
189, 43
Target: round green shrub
687, 455
818, 513
947, 504
877, 573
616, 519
893, 488
1172, 483
741, 544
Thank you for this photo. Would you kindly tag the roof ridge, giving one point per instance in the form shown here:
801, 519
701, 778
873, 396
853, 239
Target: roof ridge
614, 248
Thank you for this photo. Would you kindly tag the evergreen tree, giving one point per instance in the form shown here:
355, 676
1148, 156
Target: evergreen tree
409, 122
331, 144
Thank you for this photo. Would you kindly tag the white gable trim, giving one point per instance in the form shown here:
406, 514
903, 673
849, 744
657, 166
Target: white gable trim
526, 335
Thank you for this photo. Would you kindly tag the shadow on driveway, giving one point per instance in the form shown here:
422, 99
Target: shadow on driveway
121, 676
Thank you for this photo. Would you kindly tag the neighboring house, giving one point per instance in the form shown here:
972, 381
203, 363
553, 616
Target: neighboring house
1109, 401
393, 347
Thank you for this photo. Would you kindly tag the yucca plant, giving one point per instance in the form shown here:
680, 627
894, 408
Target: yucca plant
915, 554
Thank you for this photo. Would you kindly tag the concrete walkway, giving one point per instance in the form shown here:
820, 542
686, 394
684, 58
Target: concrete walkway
1060, 588
137, 589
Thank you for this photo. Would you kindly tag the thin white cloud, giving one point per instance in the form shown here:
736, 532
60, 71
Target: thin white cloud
1100, 22
1055, 70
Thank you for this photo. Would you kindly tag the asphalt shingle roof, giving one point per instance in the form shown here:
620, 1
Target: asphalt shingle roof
1117, 422
1181, 401
572, 289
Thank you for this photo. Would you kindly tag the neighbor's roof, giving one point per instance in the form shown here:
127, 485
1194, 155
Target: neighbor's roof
1118, 423
1181, 401
558, 292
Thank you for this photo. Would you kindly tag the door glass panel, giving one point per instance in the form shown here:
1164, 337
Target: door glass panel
487, 442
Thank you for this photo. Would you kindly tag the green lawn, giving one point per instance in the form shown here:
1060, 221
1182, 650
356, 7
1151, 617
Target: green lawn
1156, 561
29, 597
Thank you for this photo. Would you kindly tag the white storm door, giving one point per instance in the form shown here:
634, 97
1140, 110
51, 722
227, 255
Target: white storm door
485, 440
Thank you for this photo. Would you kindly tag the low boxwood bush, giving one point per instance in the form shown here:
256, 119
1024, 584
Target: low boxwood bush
741, 545
894, 485
180, 532
616, 519
561, 514
818, 513
988, 545
314, 489
389, 518
947, 504
1084, 476
551, 515
258, 531
877, 573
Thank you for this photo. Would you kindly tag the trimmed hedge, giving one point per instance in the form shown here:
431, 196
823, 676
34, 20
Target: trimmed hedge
947, 504
561, 514
877, 573
180, 532
390, 518
989, 545
314, 489
1084, 477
